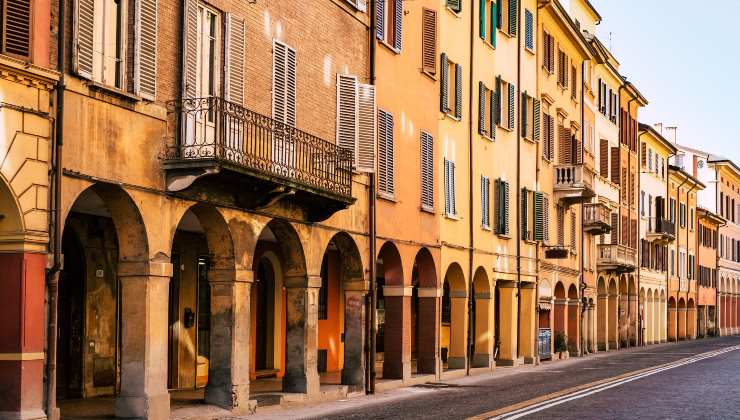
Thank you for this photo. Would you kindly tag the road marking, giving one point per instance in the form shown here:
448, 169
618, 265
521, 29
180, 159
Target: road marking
544, 402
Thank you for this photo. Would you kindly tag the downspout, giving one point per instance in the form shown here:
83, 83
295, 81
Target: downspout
373, 294
518, 177
582, 283
717, 257
631, 197
619, 221
471, 221
52, 275
667, 271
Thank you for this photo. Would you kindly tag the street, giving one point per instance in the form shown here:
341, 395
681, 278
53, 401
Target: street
691, 379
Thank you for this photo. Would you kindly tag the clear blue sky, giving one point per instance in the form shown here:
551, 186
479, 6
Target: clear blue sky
682, 56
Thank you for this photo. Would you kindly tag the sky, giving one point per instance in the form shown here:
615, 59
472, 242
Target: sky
684, 60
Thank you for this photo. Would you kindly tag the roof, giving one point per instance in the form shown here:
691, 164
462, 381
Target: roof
571, 27
648, 128
707, 214
688, 176
723, 161
594, 11
636, 93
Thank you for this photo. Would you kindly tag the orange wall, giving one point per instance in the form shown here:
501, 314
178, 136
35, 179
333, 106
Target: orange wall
330, 329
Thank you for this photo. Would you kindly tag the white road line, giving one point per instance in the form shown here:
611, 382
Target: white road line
534, 408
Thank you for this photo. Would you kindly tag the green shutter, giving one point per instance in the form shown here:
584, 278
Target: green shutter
494, 22
482, 19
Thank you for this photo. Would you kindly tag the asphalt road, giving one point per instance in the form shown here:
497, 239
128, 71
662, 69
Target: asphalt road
707, 388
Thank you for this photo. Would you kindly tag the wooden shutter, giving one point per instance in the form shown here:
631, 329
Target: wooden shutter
481, 108
379, 16
234, 48
389, 155
604, 158
513, 15
625, 230
444, 84
16, 27
145, 49
572, 230
551, 46
545, 218
643, 154
454, 4
447, 186
561, 225
284, 84
574, 82
497, 206
615, 165
427, 170
347, 110
385, 152
545, 50
397, 24
528, 29
506, 207
429, 41
458, 91
453, 206
492, 115
538, 234
512, 99
366, 117
523, 116
497, 100
564, 144
536, 123
83, 27
190, 49
551, 146
482, 18
524, 212
484, 201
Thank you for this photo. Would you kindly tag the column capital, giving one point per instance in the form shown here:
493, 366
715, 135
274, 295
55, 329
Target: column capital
429, 292
483, 295
302, 281
398, 290
144, 268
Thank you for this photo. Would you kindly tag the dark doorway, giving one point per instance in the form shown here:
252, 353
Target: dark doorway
71, 318
264, 307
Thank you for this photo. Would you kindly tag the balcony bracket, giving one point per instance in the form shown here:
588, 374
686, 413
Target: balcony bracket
274, 196
182, 180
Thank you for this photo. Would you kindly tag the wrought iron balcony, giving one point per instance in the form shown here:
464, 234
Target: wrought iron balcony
660, 230
573, 183
613, 257
596, 218
556, 252
225, 151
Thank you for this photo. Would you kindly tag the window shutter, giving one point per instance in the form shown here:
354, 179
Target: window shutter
512, 98
234, 59
551, 146
492, 116
513, 15
497, 99
458, 91
506, 207
494, 22
429, 41
397, 24
573, 230
536, 123
481, 108
545, 219
482, 18
347, 125
551, 67
447, 186
524, 212
444, 83
643, 154
454, 4
538, 217
284, 83
83, 28
528, 29
382, 151
290, 117
523, 117
497, 205
453, 206
604, 158
389, 156
564, 143
427, 170
483, 201
366, 118
615, 165
545, 50
16, 27
615, 229
561, 225
379, 15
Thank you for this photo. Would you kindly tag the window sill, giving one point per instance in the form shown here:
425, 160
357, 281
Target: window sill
506, 33
528, 140
427, 209
506, 236
530, 50
386, 196
385, 43
488, 43
452, 117
486, 228
454, 12
432, 76
114, 91
453, 217
510, 130
487, 137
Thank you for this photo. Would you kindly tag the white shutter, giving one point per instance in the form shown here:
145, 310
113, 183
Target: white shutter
453, 207
347, 112
427, 170
382, 137
366, 118
290, 91
83, 32
389, 158
190, 49
145, 49
234, 50
284, 83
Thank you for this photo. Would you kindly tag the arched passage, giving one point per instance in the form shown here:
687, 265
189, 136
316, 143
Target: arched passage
454, 317
672, 319
632, 311
681, 314
574, 305
602, 315
691, 321
663, 322
424, 313
649, 317
393, 306
560, 319
613, 314
624, 315
483, 339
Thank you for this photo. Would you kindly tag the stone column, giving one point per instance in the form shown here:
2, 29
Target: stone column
682, 318
633, 320
672, 324
144, 339
22, 335
574, 333
592, 328
428, 339
301, 335
457, 358
527, 322
602, 330
397, 335
353, 372
483, 350
613, 322
230, 347
624, 301
507, 323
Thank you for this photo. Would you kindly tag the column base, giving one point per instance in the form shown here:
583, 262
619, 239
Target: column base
396, 371
24, 415
302, 384
613, 345
456, 362
481, 360
234, 398
603, 347
354, 378
531, 360
144, 407
509, 362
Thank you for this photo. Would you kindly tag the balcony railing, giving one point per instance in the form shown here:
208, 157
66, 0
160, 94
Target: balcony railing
614, 257
213, 130
660, 229
573, 183
596, 218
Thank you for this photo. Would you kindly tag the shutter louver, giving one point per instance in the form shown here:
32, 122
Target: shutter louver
397, 24
458, 91
481, 108
615, 229
513, 15
444, 84
524, 212
454, 5
234, 49
290, 94
615, 165
279, 85
604, 158
551, 146
145, 49
84, 33
379, 15
453, 206
492, 116
506, 207
538, 234
523, 117
512, 98
529, 29
382, 153
429, 41
497, 100
366, 118
482, 19
545, 219
573, 231
16, 27
497, 205
427, 170
347, 110
447, 186
389, 158
561, 226
643, 154
190, 49
537, 122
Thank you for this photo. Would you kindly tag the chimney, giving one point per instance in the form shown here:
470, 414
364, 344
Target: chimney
658, 127
671, 134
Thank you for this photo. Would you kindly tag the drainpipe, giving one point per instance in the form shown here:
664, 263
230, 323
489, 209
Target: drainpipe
667, 271
52, 275
629, 228
471, 216
717, 257
373, 294
582, 284
518, 100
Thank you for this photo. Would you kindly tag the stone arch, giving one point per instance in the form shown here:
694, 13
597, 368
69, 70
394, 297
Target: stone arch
601, 286
672, 319
394, 299
483, 322
454, 316
691, 319
681, 315
559, 290
390, 267
572, 292
12, 221
602, 314
424, 312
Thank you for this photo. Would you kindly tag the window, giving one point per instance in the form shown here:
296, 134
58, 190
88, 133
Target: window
486, 104
488, 21
485, 186
563, 64
539, 216
573, 83
385, 153
691, 218
450, 209
548, 56
389, 19
99, 46
283, 83
356, 120
656, 163
455, 5
672, 209
429, 42
682, 215
505, 95
528, 30
16, 28
650, 160
573, 231
561, 225
502, 207
451, 101
507, 13
531, 112
527, 214
427, 171
548, 145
